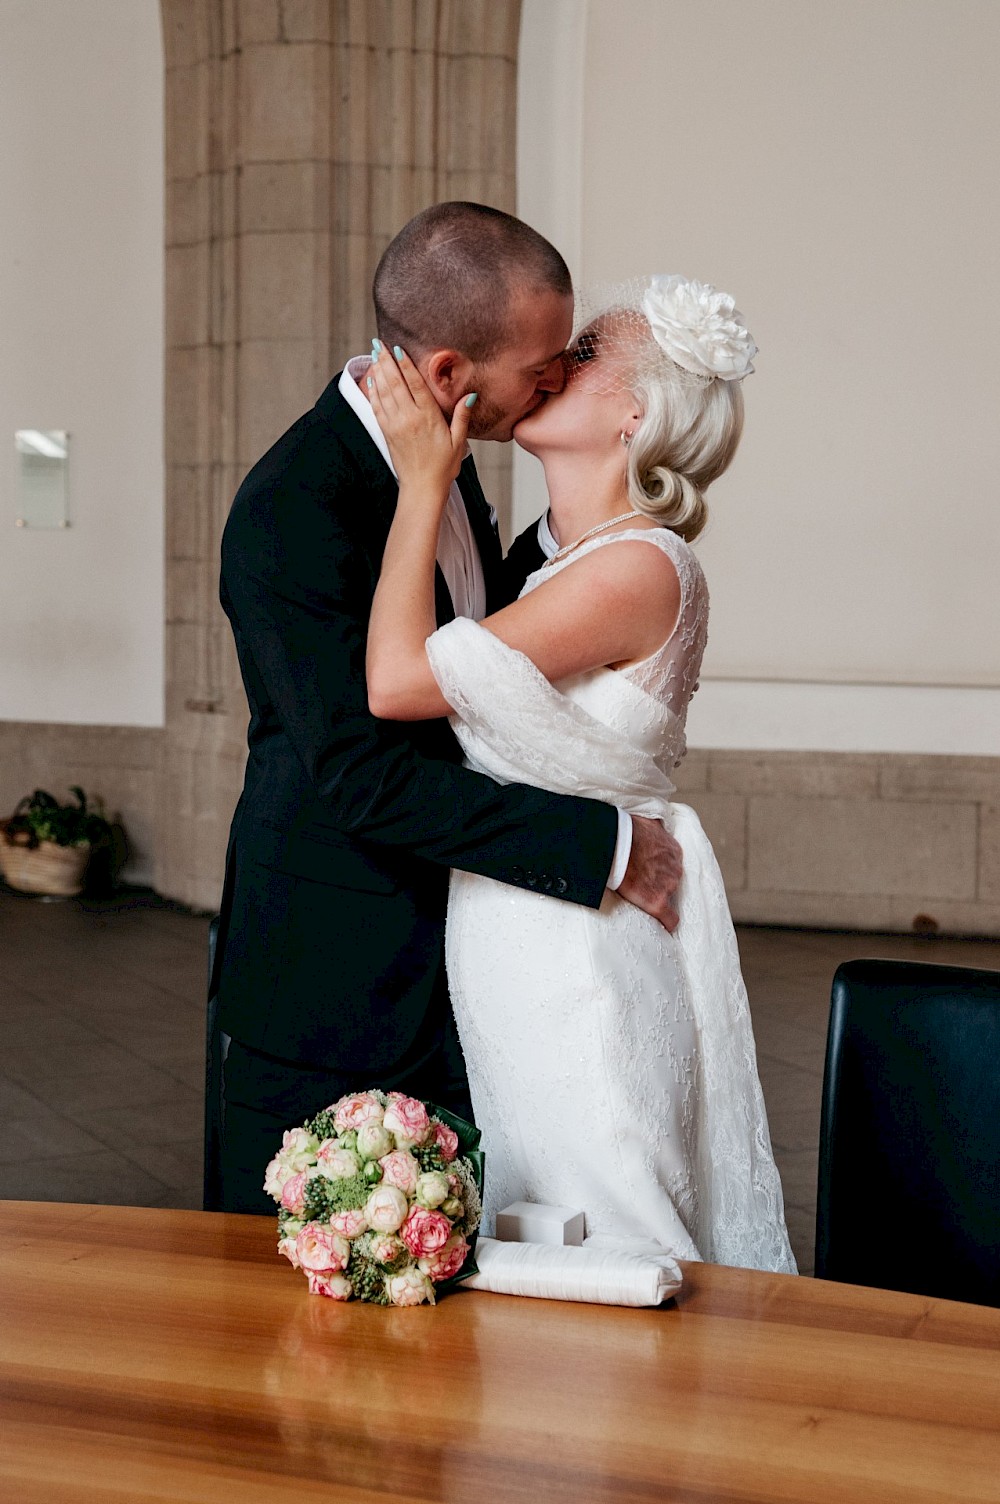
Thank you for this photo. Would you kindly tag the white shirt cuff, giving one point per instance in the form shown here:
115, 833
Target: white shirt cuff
623, 850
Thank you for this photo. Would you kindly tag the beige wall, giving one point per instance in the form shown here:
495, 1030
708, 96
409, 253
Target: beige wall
830, 165
81, 310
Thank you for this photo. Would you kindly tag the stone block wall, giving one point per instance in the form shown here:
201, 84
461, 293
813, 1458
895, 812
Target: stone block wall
301, 135
875, 841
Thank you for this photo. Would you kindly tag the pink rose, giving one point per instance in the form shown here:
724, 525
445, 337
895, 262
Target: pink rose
293, 1193
350, 1224
334, 1286
354, 1112
424, 1232
447, 1140
407, 1120
320, 1250
447, 1261
400, 1169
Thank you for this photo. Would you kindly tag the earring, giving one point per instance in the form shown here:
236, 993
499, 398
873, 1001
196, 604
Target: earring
626, 438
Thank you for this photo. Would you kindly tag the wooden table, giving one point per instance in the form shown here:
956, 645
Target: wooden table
163, 1356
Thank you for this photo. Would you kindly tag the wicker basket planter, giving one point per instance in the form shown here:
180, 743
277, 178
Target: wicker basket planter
59, 871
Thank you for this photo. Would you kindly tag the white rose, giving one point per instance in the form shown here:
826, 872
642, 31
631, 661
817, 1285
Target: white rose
298, 1148
385, 1248
433, 1188
386, 1209
333, 1286
275, 1176
336, 1163
700, 328
411, 1288
374, 1141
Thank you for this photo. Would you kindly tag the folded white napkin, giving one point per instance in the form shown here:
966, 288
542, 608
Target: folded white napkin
603, 1275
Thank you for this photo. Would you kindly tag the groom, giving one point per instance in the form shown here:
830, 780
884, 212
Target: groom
330, 969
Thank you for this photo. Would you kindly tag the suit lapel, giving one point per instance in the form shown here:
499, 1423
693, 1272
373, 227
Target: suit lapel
379, 484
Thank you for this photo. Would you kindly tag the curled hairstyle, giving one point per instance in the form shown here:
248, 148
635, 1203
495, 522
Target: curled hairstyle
685, 439
446, 280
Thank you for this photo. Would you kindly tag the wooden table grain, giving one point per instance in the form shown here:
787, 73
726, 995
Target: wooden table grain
167, 1356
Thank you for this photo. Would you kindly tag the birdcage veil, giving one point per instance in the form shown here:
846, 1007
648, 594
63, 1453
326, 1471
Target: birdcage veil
666, 327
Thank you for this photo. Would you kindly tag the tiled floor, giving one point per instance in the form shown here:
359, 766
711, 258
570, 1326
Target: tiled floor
102, 1059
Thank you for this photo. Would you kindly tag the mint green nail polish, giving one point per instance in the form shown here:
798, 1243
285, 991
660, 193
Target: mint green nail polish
370, 383
472, 399
397, 352
376, 345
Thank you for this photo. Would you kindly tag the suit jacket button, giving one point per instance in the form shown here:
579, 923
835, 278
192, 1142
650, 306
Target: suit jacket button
561, 885
517, 873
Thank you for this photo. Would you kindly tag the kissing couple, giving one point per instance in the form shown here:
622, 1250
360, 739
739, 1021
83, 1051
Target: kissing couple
457, 869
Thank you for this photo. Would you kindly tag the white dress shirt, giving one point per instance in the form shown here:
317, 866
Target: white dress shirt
459, 561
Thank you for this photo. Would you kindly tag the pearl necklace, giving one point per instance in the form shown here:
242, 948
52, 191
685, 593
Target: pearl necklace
600, 528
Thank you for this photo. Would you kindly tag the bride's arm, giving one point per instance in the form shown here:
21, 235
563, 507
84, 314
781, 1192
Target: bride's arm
613, 606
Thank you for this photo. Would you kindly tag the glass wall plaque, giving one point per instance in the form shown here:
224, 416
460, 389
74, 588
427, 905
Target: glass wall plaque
42, 477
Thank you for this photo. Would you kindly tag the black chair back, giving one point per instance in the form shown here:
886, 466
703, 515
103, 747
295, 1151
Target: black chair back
212, 1185
909, 1162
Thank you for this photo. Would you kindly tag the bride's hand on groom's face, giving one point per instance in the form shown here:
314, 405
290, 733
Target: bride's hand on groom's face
427, 451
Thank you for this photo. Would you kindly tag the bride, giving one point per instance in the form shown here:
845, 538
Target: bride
611, 1063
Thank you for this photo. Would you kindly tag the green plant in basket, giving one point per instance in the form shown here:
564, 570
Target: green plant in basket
40, 817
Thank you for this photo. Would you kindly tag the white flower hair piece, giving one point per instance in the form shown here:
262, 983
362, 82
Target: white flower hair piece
699, 328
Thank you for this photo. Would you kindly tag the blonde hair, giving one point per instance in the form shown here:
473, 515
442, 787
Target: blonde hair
686, 438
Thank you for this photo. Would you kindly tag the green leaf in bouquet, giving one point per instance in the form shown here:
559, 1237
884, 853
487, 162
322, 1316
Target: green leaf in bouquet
469, 1136
469, 1139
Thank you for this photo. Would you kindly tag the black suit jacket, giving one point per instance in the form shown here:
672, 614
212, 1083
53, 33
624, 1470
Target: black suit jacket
336, 884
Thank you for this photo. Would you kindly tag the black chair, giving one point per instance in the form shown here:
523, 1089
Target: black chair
909, 1158
212, 1184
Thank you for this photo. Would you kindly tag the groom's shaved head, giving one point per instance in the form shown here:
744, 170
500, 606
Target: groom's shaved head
448, 278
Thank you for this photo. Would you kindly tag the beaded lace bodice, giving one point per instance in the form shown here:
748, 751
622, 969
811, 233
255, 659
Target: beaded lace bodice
670, 675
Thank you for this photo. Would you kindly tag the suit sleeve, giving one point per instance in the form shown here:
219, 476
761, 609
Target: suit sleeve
299, 590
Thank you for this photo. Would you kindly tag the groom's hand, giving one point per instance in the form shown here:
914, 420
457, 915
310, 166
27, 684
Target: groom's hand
654, 871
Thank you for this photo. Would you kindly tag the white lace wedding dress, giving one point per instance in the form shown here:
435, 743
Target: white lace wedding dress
612, 1065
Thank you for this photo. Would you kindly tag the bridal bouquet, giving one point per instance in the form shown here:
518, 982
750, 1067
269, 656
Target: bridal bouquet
379, 1197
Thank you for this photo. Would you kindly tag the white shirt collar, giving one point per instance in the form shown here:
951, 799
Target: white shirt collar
546, 542
359, 404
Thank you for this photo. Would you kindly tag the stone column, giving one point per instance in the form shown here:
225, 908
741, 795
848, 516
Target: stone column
301, 134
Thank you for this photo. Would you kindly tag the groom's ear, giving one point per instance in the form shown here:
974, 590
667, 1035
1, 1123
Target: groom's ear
449, 376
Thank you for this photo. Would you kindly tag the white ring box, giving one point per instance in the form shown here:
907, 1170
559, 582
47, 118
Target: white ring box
532, 1222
